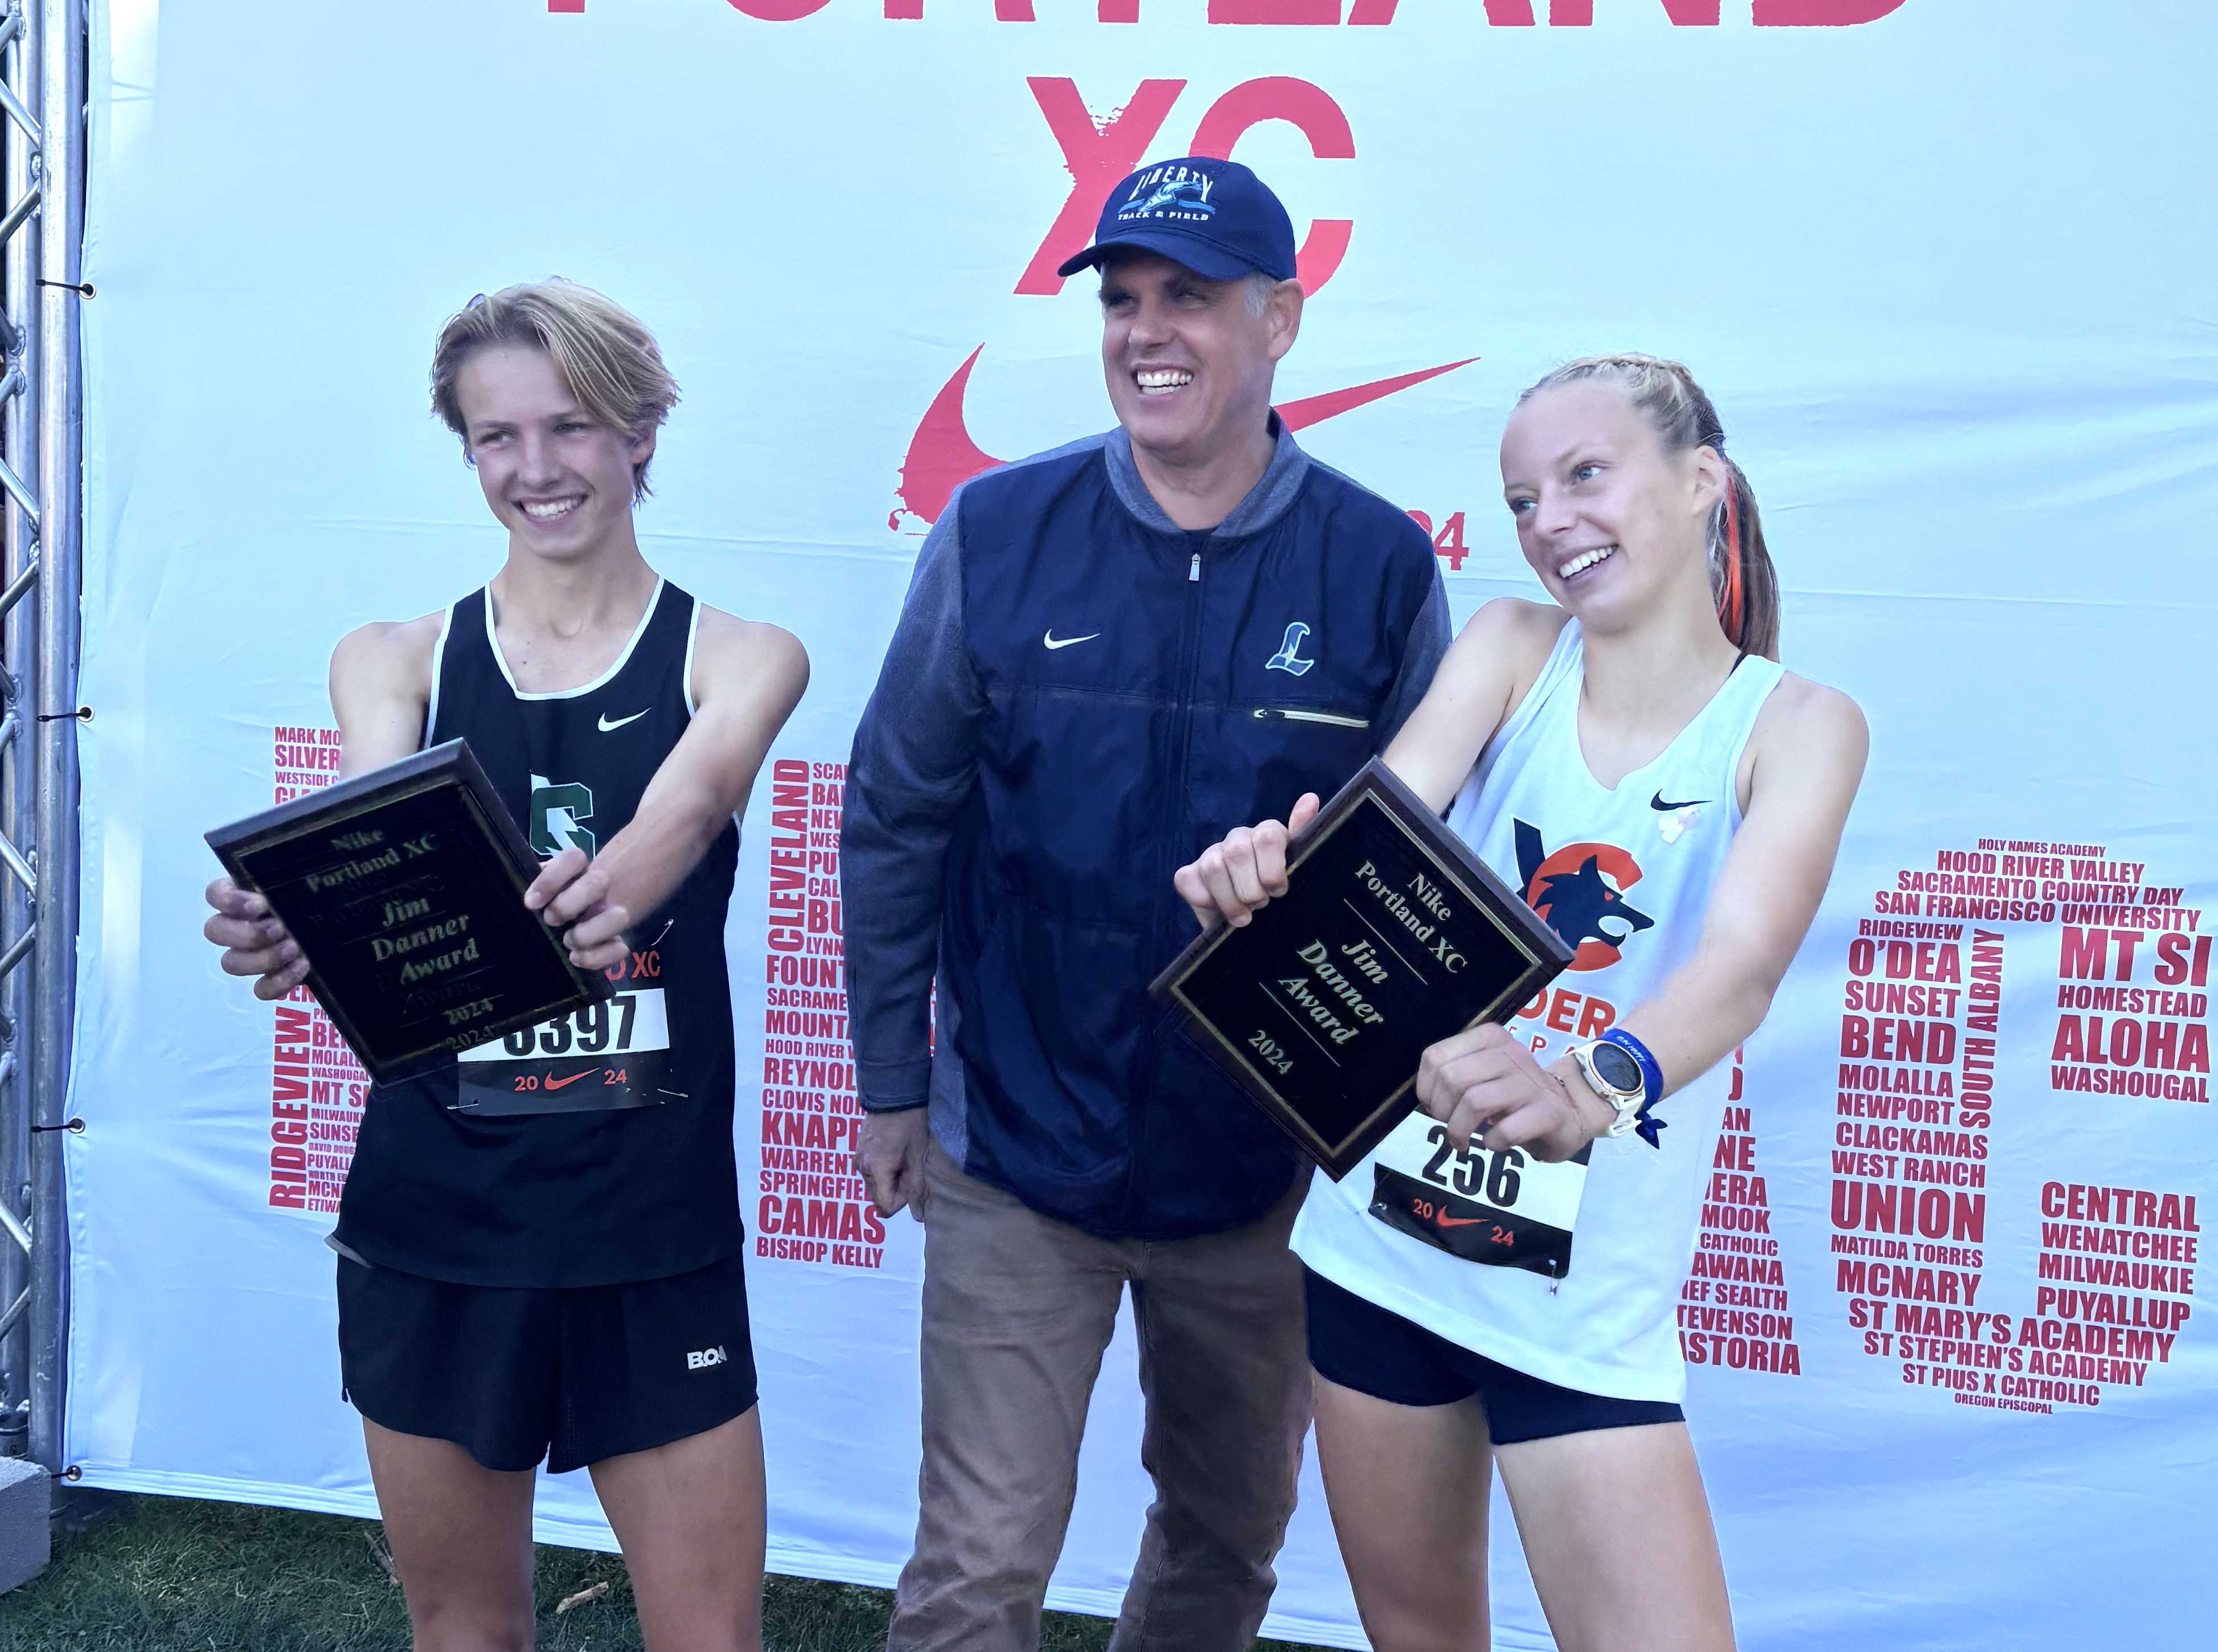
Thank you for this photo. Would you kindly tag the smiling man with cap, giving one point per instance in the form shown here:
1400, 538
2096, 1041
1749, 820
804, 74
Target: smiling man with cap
1110, 655
1199, 302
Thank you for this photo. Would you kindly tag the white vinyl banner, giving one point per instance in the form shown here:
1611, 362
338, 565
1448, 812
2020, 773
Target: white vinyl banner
1947, 269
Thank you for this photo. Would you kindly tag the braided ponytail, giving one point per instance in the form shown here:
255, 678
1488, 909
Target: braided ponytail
1743, 581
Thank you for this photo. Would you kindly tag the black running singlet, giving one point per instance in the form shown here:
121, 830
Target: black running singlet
597, 1148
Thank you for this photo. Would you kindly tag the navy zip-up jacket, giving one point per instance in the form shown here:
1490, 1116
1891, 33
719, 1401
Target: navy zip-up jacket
1079, 698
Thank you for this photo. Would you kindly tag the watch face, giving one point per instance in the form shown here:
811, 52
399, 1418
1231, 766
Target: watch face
1617, 1067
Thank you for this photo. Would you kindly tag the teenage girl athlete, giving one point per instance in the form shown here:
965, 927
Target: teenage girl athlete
540, 1250
1637, 764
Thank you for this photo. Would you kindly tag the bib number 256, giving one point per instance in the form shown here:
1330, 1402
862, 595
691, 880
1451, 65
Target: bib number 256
1475, 1173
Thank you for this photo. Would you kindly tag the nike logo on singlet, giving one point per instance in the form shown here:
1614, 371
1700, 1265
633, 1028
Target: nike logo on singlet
1054, 642
608, 728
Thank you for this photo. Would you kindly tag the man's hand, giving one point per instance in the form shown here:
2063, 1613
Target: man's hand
890, 1153
572, 894
1231, 880
254, 942
1484, 1085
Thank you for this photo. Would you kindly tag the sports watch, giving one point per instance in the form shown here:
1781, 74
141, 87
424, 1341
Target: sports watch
1611, 1073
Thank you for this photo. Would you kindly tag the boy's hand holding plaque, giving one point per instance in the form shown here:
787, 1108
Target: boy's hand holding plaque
404, 888
1391, 936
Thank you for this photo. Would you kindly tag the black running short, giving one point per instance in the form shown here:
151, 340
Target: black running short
1361, 1345
573, 1376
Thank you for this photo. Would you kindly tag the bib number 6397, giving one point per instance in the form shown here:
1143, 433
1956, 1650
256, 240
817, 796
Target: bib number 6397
623, 1025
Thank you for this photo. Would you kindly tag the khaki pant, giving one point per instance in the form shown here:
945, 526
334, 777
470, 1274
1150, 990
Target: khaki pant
1018, 1308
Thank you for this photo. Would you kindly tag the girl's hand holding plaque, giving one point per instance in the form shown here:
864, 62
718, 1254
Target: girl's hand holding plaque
1352, 940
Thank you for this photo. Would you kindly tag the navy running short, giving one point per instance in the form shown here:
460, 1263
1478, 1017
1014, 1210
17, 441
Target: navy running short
1361, 1345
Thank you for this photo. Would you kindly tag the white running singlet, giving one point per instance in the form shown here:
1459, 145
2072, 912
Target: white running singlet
1624, 876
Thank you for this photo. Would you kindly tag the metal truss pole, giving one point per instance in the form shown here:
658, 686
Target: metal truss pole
61, 491
21, 30
42, 111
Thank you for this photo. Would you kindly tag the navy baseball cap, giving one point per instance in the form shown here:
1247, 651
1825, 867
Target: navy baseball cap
1214, 217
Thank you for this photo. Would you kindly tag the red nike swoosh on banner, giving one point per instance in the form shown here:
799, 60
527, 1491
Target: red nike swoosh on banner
942, 457
554, 1083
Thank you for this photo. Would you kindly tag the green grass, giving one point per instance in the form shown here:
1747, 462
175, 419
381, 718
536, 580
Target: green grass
163, 1575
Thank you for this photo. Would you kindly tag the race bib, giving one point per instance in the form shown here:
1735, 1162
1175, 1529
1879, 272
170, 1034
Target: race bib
1502, 1208
605, 1055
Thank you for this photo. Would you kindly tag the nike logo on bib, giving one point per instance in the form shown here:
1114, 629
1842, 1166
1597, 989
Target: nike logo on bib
1054, 642
608, 728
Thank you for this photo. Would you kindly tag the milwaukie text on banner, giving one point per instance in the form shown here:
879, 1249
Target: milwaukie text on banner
1920, 1099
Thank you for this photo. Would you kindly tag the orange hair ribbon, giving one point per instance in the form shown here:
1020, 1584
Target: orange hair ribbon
1732, 608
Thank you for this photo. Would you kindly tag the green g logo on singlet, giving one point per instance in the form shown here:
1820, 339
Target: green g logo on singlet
556, 816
